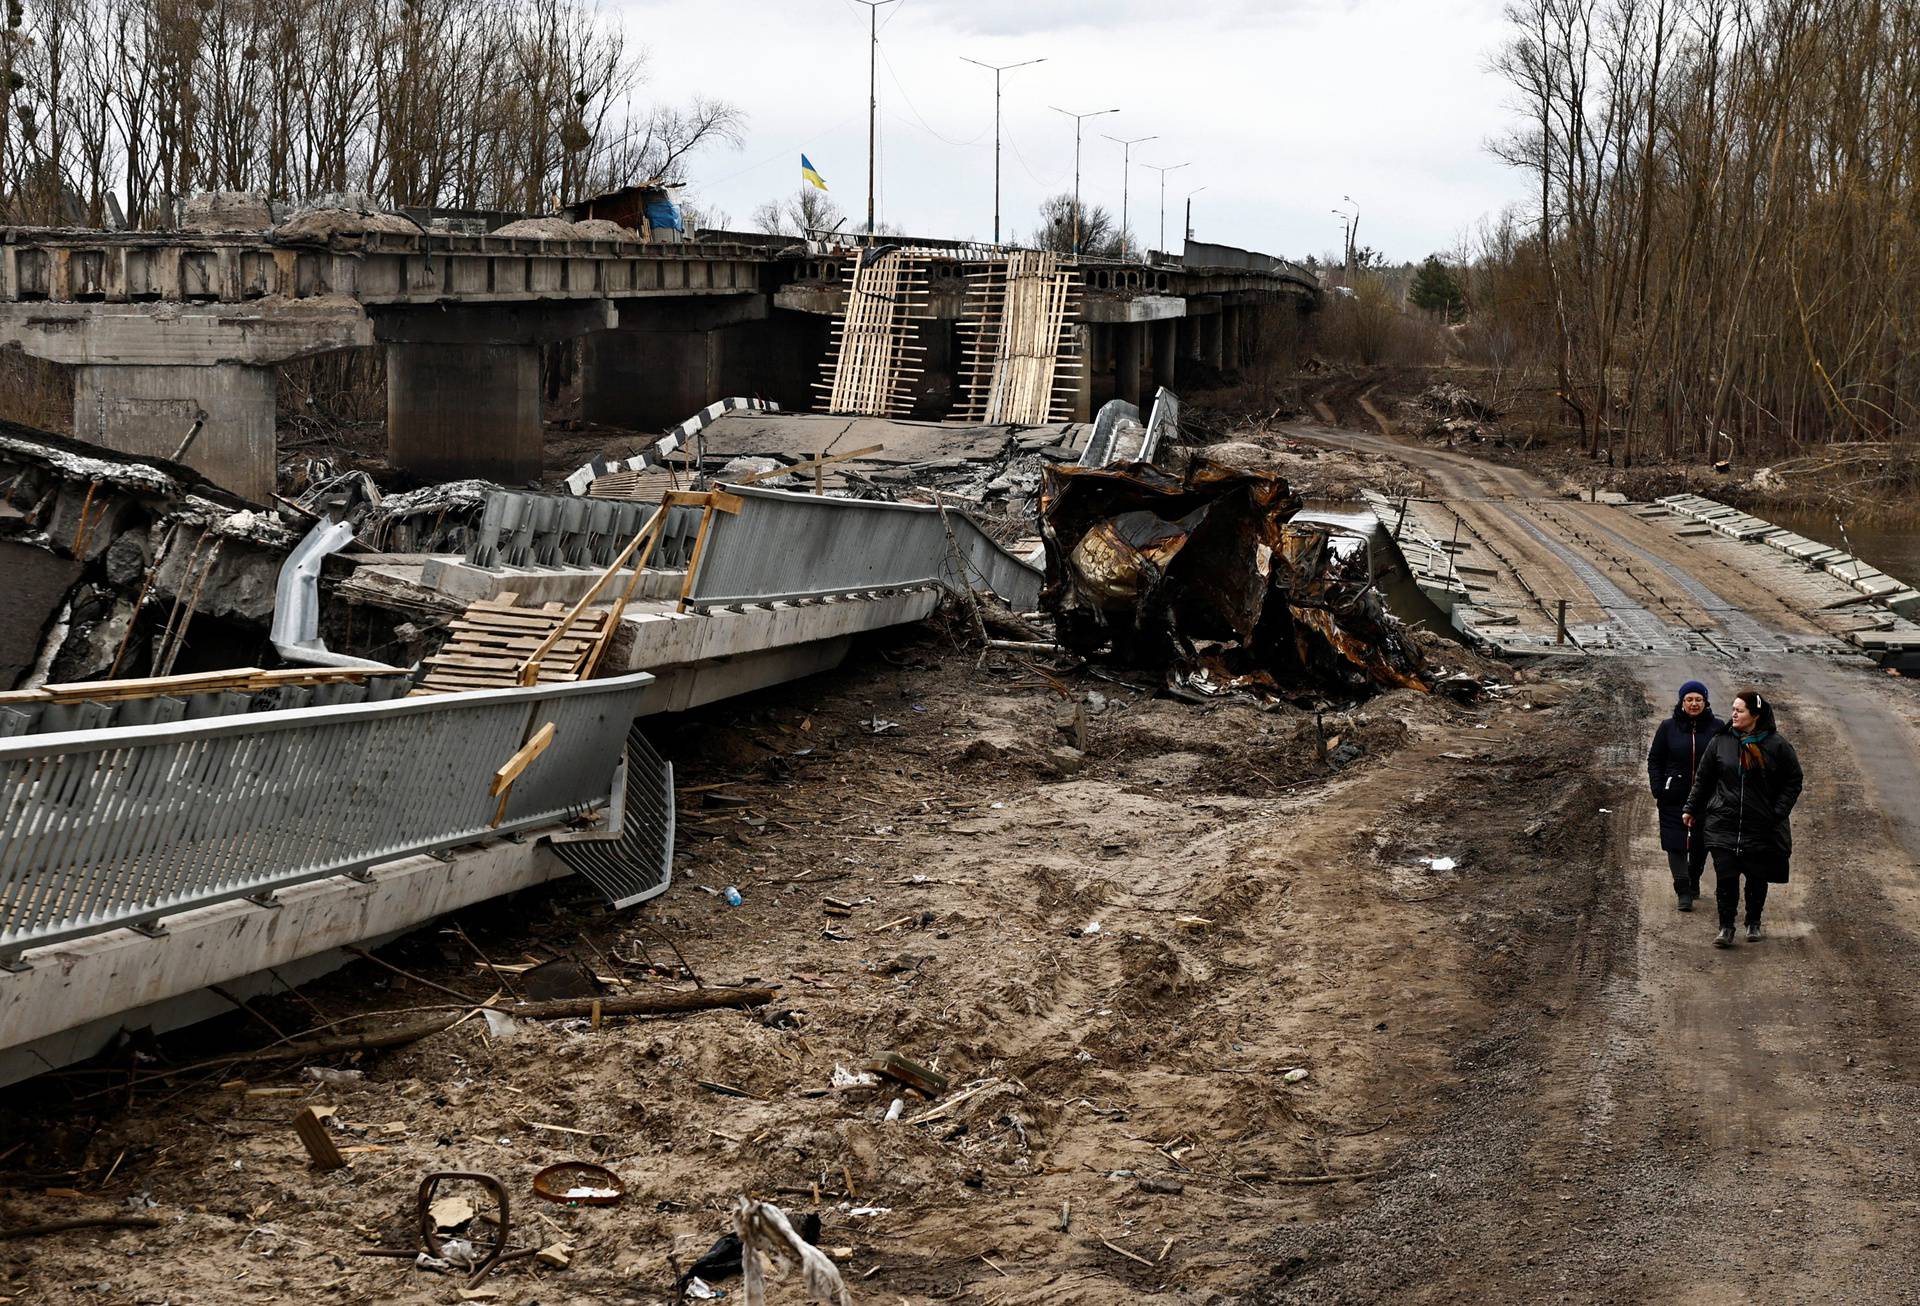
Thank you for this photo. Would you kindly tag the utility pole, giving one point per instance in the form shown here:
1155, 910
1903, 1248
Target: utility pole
1093, 113
1190, 194
997, 70
1163, 171
1126, 176
873, 96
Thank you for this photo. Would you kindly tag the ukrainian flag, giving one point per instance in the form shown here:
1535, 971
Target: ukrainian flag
808, 174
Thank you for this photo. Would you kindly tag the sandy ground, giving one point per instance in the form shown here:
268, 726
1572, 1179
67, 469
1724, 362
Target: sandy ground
1527, 1077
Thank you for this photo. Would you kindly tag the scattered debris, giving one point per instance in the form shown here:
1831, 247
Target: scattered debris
1204, 577
579, 1182
928, 1083
314, 1137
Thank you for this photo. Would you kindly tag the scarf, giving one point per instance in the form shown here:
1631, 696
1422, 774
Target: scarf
1751, 758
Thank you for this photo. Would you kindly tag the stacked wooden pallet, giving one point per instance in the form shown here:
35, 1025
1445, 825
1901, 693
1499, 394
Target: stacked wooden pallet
874, 361
495, 636
641, 486
1022, 365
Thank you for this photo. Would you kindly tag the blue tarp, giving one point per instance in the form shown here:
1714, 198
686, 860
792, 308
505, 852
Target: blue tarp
664, 215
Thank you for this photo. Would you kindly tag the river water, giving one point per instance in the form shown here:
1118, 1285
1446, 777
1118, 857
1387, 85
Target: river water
1894, 550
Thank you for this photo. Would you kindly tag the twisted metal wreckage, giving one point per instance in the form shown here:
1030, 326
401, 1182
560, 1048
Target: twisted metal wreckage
1206, 578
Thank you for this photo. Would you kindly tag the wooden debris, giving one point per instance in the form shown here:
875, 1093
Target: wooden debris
314, 1137
928, 1083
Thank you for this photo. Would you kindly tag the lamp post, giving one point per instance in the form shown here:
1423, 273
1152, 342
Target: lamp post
1126, 177
997, 70
873, 95
1352, 223
1077, 119
1190, 194
1163, 171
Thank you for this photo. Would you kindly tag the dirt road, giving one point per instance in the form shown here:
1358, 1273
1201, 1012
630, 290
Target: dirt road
1522, 1075
1692, 1125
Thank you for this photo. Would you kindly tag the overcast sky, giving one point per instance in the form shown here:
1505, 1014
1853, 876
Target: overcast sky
1279, 108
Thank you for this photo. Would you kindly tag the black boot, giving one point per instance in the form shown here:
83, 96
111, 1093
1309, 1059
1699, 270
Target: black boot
1753, 932
1724, 939
1686, 901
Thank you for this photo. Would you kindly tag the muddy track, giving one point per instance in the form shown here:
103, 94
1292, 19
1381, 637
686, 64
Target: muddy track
1675, 1123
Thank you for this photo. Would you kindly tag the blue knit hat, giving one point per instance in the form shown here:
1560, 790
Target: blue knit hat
1693, 687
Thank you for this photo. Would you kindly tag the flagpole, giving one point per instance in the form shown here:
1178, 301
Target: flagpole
873, 96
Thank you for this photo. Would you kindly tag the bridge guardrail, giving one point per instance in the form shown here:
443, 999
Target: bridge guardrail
101, 829
783, 546
550, 530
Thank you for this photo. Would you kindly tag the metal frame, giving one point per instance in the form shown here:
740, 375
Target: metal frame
784, 547
109, 828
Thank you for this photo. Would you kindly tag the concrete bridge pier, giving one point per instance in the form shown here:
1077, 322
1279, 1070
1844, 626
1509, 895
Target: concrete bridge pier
1085, 344
668, 358
1129, 338
1211, 341
1166, 349
463, 387
1230, 320
144, 374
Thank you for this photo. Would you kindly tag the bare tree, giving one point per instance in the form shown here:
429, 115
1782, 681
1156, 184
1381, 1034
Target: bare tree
806, 211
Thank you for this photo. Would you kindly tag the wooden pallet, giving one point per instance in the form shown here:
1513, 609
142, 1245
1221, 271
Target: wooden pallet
1022, 365
874, 362
644, 486
495, 636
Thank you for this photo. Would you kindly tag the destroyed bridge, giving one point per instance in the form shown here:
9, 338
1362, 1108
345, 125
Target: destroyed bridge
175, 332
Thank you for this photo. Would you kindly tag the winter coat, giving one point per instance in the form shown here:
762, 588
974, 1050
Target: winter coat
1676, 750
1744, 810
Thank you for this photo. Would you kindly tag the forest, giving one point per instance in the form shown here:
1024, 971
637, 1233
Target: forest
112, 110
1719, 254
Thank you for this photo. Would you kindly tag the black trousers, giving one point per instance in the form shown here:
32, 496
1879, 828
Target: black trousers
1728, 868
1686, 865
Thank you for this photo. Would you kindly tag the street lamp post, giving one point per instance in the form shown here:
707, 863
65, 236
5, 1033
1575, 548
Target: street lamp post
1077, 117
1126, 178
873, 95
1163, 171
997, 70
1189, 226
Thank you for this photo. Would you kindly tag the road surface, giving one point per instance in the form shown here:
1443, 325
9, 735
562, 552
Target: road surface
1692, 1125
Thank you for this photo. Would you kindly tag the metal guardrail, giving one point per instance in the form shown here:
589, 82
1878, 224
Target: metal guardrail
544, 530
107, 828
783, 546
634, 860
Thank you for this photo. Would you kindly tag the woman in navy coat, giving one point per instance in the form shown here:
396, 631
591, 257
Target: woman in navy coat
1678, 745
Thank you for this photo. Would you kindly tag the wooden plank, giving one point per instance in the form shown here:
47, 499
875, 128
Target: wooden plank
522, 758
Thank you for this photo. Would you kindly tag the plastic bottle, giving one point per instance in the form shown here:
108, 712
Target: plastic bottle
732, 895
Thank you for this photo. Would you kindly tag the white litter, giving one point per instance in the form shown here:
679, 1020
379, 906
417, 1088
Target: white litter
1091, 927
577, 1194
1295, 1075
1438, 863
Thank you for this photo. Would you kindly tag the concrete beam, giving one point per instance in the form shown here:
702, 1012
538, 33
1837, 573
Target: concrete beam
1084, 343
151, 410
183, 335
705, 314
492, 324
1132, 308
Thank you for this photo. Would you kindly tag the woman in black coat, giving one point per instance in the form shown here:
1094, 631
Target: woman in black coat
1743, 793
1673, 756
